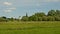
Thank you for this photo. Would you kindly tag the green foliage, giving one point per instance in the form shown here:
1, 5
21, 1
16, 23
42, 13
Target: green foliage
57, 12
45, 18
33, 18
24, 18
11, 19
51, 13
2, 19
57, 18
50, 18
41, 14
39, 18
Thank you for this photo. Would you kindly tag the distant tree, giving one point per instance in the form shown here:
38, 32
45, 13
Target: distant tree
51, 13
40, 14
19, 18
39, 18
33, 18
24, 18
26, 15
44, 18
57, 18
2, 20
50, 18
3, 17
11, 19
57, 12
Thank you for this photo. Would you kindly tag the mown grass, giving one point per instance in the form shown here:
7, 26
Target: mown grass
41, 27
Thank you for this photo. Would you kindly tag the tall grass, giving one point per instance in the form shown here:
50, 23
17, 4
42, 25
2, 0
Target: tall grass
37, 27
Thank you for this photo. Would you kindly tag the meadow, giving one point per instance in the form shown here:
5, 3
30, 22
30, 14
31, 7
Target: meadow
30, 27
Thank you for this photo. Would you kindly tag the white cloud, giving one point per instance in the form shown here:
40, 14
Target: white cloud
7, 11
7, 3
12, 8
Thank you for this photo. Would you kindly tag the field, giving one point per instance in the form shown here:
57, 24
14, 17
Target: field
42, 27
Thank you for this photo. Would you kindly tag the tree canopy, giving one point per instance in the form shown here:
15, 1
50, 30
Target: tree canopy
52, 15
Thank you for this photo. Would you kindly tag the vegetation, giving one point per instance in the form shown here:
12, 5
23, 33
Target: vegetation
38, 23
30, 27
52, 15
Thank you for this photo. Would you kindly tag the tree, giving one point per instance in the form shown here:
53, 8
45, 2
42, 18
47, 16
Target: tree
40, 14
57, 12
33, 18
24, 18
51, 13
2, 20
26, 15
4, 17
57, 18
12, 19
51, 18
39, 18
44, 18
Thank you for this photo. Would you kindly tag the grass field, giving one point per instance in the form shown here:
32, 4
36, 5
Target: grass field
42, 27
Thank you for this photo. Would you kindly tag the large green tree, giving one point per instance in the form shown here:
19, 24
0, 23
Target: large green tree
51, 18
40, 14
51, 13
57, 12
24, 18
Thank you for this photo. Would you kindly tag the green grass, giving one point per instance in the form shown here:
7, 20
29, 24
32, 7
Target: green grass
42, 27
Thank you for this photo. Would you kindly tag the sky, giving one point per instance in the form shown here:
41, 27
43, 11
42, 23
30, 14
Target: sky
16, 8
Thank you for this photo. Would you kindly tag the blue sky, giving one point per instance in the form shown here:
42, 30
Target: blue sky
16, 8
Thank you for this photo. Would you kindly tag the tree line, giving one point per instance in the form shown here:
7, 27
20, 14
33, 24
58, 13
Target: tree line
52, 15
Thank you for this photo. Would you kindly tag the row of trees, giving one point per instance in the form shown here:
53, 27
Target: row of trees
52, 15
5, 19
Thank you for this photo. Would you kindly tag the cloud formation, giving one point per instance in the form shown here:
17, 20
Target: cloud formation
7, 3
7, 11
